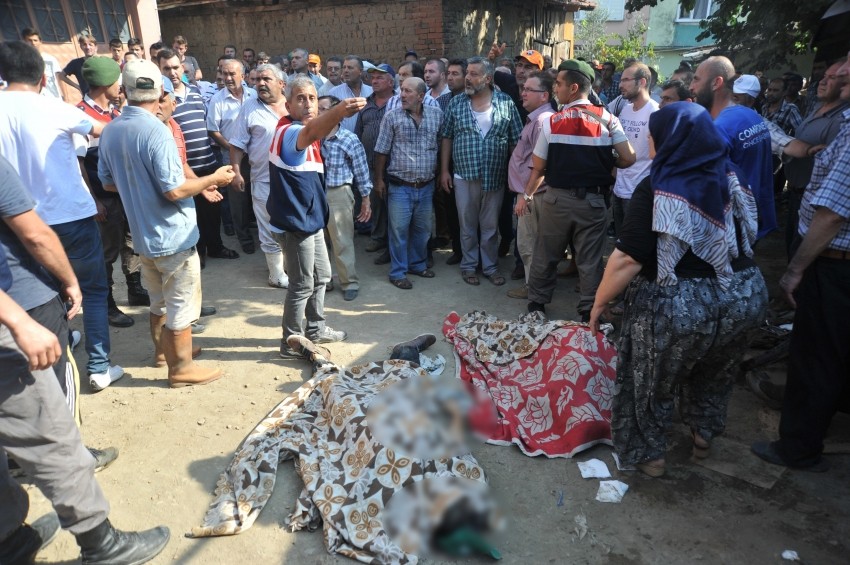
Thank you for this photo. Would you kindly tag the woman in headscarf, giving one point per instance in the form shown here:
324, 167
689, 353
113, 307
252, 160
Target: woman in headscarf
693, 290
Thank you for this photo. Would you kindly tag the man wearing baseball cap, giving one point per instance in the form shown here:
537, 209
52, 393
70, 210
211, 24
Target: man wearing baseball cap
139, 159
745, 90
314, 63
574, 152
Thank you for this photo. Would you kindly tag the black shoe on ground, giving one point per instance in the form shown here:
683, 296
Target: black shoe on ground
103, 458
249, 249
518, 273
410, 350
23, 544
223, 253
383, 258
766, 450
207, 311
104, 544
454, 259
116, 317
136, 293
504, 247
536, 307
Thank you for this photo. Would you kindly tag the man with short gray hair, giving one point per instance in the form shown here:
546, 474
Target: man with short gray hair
252, 135
480, 129
408, 144
299, 65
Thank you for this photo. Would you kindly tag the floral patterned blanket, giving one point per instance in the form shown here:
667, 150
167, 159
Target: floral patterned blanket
350, 471
546, 386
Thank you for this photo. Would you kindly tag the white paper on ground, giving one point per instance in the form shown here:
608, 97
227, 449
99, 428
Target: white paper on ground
611, 491
432, 365
593, 469
790, 555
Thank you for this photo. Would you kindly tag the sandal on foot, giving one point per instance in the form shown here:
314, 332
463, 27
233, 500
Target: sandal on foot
496, 278
702, 447
469, 277
425, 273
403, 284
654, 468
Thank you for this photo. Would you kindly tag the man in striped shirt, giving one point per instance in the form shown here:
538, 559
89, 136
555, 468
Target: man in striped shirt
191, 115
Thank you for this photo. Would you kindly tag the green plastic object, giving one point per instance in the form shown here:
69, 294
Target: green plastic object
465, 541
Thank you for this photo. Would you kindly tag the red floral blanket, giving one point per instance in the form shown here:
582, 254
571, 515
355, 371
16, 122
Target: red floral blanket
546, 386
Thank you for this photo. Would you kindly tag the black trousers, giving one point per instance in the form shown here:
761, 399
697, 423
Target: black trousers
209, 219
819, 360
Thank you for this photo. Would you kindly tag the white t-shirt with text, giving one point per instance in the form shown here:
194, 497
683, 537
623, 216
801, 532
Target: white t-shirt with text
636, 126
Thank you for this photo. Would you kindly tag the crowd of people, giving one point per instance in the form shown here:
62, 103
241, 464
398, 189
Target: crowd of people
473, 154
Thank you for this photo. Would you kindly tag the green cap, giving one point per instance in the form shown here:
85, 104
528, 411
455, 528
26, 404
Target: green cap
101, 71
579, 67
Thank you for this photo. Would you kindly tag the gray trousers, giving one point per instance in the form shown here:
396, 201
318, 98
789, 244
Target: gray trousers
37, 429
478, 210
565, 220
309, 270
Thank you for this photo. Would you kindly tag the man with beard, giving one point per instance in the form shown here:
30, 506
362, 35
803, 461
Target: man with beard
817, 283
634, 117
745, 132
223, 109
480, 129
778, 110
252, 134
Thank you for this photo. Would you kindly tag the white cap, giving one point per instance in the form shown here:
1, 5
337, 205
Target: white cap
747, 84
368, 66
141, 75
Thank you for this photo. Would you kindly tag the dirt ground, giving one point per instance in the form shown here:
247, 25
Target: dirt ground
174, 443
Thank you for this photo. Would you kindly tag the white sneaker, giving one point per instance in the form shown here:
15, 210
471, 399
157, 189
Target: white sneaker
282, 282
100, 381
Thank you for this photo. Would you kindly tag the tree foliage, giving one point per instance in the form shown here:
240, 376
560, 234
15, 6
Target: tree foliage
769, 31
593, 42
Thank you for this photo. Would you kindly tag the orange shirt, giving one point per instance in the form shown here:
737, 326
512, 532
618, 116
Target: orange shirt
178, 139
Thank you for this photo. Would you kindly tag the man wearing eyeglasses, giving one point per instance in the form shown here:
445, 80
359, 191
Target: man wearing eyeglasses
536, 98
634, 117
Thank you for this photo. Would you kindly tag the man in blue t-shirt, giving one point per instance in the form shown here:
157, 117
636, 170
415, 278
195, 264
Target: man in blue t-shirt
298, 209
746, 134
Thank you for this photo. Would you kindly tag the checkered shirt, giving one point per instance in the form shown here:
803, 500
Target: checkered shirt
477, 158
412, 149
830, 186
787, 117
345, 161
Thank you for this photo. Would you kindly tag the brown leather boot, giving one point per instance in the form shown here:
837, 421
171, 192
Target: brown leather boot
177, 346
157, 323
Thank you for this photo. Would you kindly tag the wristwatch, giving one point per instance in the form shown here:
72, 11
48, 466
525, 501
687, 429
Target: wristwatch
527, 197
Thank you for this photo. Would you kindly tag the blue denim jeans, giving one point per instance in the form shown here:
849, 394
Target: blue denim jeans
81, 240
410, 211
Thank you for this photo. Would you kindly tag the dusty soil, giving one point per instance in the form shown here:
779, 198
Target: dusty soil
174, 443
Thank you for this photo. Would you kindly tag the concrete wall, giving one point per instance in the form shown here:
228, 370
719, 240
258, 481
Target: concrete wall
381, 30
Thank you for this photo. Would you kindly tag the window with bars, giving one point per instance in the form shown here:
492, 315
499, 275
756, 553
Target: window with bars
52, 18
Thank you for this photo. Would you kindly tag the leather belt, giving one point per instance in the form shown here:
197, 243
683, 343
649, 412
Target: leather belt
417, 184
581, 192
835, 254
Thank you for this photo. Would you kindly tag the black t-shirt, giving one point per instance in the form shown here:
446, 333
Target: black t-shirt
75, 69
639, 241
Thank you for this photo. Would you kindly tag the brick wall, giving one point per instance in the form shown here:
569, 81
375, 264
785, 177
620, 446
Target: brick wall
381, 30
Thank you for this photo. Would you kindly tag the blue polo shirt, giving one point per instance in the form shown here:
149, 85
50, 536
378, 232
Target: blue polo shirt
138, 155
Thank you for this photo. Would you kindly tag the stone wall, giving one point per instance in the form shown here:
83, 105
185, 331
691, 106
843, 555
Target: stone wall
381, 30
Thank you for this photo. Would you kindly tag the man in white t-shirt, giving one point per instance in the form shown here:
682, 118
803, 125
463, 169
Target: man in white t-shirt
36, 136
51, 65
634, 117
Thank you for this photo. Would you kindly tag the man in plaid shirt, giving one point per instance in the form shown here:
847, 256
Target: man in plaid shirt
778, 110
480, 129
817, 284
345, 163
406, 160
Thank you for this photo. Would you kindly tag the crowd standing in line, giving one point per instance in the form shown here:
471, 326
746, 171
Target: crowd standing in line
155, 161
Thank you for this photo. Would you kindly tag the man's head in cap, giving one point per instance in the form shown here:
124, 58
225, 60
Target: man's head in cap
142, 81
745, 90
167, 104
411, 56
314, 63
574, 81
383, 79
527, 62
103, 75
